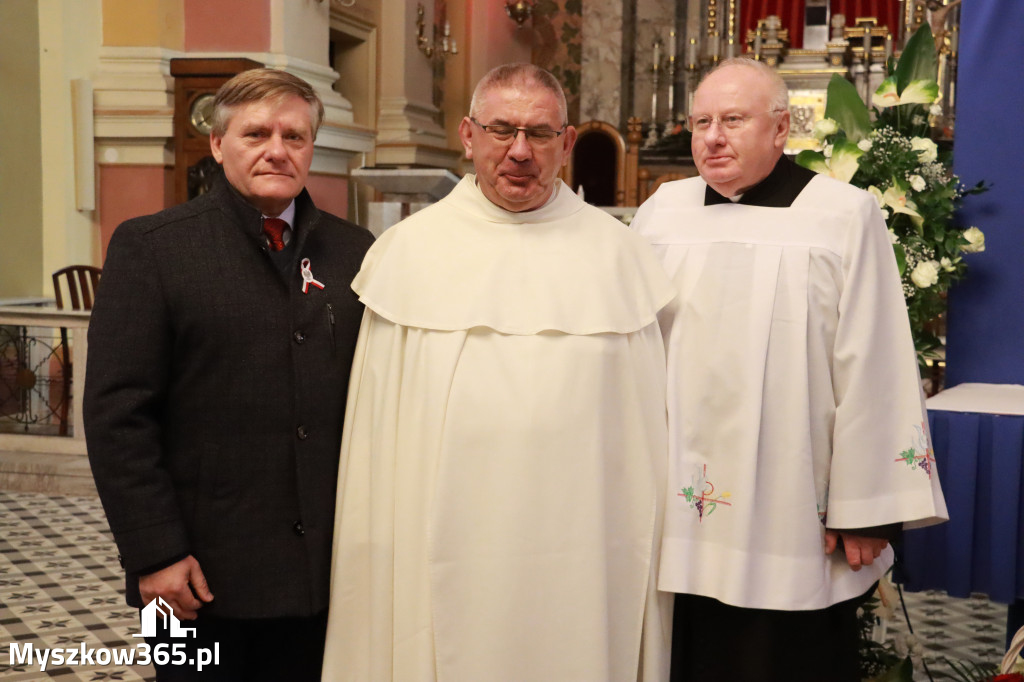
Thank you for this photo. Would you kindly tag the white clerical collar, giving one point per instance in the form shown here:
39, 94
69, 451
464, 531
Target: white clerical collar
551, 199
287, 215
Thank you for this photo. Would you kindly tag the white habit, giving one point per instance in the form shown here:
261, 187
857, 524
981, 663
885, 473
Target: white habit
504, 457
794, 396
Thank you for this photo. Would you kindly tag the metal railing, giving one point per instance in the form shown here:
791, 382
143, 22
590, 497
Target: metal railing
40, 405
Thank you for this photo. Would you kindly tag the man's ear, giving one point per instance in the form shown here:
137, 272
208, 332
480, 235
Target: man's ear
782, 130
466, 136
568, 143
215, 141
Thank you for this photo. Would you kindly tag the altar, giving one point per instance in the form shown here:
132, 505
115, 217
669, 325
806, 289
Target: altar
978, 437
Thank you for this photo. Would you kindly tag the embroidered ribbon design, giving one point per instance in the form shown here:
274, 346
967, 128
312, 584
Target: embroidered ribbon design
307, 277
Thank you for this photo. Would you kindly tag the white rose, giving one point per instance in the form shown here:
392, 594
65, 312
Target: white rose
864, 145
947, 264
824, 128
929, 152
918, 183
975, 240
925, 274
935, 110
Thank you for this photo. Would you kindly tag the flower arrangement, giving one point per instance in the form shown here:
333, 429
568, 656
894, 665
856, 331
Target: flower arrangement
910, 176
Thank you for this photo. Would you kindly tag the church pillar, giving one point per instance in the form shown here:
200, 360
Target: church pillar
409, 130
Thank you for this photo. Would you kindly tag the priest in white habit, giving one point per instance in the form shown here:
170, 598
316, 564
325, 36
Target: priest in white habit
503, 464
798, 434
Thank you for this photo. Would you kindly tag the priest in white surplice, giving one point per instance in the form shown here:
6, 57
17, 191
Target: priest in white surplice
798, 436
504, 455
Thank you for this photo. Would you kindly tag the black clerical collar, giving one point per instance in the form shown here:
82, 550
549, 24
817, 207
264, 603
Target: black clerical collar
779, 190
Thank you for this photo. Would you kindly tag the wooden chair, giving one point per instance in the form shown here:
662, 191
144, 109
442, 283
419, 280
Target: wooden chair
81, 282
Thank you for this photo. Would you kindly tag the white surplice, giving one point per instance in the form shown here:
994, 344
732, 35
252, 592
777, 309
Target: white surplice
794, 396
505, 451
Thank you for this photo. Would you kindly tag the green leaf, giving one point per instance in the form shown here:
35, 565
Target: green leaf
812, 160
918, 61
901, 258
845, 107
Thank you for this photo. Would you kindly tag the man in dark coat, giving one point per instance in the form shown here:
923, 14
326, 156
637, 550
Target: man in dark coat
220, 348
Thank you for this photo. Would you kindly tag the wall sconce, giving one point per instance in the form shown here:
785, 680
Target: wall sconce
519, 11
432, 46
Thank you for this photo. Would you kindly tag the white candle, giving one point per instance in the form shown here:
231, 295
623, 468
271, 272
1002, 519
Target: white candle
714, 45
691, 52
757, 43
671, 45
730, 48
954, 39
867, 41
657, 54
888, 45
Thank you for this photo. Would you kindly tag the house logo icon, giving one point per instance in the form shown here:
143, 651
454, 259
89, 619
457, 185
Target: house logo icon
158, 608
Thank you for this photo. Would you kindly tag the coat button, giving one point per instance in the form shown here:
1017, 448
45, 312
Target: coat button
299, 337
302, 433
299, 530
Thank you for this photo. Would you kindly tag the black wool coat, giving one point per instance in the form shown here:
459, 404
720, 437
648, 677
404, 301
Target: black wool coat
215, 395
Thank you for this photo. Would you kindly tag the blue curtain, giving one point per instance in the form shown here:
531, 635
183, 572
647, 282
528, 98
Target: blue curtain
986, 311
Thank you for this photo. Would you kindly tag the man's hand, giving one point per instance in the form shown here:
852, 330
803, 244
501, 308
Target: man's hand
172, 583
860, 550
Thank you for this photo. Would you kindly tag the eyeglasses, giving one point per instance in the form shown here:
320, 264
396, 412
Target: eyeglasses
503, 132
702, 124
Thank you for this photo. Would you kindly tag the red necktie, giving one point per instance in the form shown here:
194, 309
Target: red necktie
274, 229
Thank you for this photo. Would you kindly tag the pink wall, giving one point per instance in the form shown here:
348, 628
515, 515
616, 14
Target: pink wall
131, 191
330, 193
227, 25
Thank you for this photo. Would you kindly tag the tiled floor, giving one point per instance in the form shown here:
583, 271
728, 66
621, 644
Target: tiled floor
60, 587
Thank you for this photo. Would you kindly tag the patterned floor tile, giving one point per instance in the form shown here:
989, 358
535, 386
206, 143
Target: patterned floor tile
60, 586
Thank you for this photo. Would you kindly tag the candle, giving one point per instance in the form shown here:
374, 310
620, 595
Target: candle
714, 45
657, 54
867, 42
671, 45
888, 46
954, 39
691, 53
730, 49
757, 44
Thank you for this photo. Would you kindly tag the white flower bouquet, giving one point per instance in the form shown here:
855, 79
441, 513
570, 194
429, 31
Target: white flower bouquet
910, 176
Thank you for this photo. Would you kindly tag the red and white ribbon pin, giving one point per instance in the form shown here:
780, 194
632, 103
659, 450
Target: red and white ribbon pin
307, 277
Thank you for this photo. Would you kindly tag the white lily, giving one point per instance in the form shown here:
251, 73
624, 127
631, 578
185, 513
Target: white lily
916, 92
842, 163
896, 199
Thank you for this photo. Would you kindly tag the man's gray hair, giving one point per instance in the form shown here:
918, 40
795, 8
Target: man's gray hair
255, 85
779, 99
518, 74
